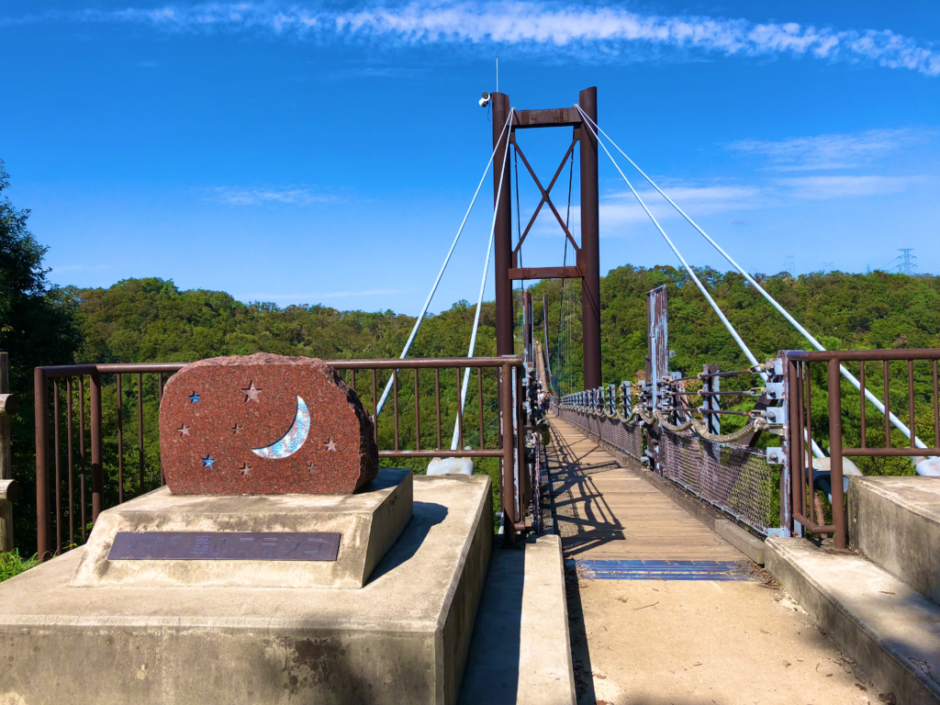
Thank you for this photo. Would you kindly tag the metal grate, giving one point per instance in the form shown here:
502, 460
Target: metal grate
737, 480
624, 437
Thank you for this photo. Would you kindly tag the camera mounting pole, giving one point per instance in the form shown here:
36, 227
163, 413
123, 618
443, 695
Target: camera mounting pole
587, 262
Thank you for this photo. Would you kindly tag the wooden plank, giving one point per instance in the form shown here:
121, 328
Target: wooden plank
605, 511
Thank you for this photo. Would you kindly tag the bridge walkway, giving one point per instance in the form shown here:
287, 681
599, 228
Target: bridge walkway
683, 634
607, 512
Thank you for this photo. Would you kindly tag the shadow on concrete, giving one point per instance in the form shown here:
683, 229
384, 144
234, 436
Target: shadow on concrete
580, 651
426, 515
492, 672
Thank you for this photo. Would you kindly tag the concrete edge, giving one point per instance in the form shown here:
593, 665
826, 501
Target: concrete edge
459, 609
871, 485
572, 691
891, 670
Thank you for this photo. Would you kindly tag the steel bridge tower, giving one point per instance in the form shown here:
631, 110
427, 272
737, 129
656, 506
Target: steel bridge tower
587, 266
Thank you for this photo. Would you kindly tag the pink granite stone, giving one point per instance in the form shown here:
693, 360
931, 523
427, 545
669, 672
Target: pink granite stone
264, 424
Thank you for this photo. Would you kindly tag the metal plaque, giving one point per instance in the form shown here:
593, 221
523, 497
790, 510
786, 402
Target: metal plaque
223, 546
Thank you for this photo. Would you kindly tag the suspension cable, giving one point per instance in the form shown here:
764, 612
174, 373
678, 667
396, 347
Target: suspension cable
476, 317
427, 303
734, 334
773, 302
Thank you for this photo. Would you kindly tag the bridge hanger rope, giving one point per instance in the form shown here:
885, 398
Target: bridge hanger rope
817, 451
724, 319
427, 303
773, 302
486, 265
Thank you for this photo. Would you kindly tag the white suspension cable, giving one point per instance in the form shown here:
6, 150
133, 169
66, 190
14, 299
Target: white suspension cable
734, 334
427, 303
476, 317
773, 302
817, 451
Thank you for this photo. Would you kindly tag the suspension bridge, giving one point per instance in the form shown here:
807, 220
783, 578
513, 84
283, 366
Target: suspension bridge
683, 537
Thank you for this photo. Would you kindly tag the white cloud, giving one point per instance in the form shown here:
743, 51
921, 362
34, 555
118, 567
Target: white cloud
384, 72
621, 207
586, 34
817, 188
828, 151
235, 196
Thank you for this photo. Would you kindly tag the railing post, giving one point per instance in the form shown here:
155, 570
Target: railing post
42, 470
97, 471
508, 489
790, 475
835, 452
524, 493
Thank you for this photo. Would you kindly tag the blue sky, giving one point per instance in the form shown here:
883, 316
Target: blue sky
325, 153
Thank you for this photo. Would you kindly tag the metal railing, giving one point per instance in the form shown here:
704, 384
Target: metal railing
665, 432
76, 478
800, 424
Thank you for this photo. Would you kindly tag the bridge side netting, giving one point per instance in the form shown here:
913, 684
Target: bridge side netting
627, 438
735, 479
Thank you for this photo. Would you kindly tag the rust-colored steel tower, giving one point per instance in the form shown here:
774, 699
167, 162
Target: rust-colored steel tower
587, 266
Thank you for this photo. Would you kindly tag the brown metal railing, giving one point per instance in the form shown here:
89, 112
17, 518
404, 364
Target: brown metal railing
800, 426
66, 484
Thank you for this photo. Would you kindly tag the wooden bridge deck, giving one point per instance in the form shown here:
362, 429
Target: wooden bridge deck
608, 512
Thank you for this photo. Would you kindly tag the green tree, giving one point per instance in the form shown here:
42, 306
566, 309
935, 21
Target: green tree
38, 326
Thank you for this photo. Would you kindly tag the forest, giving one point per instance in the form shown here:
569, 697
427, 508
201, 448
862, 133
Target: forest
152, 320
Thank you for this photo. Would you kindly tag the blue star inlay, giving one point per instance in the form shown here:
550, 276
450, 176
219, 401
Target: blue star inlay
207, 461
194, 398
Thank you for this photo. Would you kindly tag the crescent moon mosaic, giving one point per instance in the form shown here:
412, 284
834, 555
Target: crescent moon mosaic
264, 425
292, 441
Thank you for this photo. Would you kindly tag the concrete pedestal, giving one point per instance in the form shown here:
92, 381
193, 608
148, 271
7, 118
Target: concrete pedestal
402, 638
895, 523
369, 522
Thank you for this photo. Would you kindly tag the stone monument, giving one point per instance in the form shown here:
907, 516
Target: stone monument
278, 565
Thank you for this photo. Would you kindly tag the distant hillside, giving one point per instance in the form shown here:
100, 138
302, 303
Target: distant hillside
844, 311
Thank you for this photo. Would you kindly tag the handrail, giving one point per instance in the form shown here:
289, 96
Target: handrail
510, 450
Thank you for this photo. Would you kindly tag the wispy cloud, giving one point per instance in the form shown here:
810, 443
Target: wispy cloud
829, 151
236, 196
586, 34
815, 188
319, 296
621, 207
383, 72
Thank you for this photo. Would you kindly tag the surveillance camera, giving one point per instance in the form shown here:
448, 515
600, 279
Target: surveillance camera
485, 100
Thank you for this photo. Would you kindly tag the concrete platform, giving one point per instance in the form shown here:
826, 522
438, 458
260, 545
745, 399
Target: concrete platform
890, 629
370, 522
895, 522
403, 638
521, 651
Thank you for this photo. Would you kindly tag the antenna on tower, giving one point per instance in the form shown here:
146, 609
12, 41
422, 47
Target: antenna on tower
789, 265
497, 73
